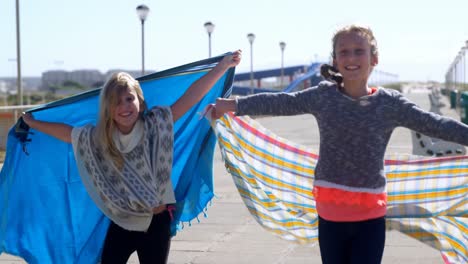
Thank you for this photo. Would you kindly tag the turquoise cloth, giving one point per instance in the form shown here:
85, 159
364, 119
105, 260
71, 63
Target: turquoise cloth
46, 216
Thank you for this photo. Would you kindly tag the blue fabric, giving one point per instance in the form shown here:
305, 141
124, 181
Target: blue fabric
46, 216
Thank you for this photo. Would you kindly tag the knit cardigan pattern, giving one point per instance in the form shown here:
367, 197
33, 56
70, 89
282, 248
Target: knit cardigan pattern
128, 195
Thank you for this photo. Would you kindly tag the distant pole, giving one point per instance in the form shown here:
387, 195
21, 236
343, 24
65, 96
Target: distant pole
282, 46
457, 79
455, 70
464, 49
462, 52
209, 29
452, 76
18, 56
251, 38
455, 67
460, 69
142, 11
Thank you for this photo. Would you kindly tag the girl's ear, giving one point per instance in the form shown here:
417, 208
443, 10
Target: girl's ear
334, 64
143, 106
374, 60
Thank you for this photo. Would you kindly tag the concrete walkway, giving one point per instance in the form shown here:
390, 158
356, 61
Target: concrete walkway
231, 236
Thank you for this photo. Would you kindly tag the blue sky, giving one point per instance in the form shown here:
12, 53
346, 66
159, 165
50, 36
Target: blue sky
417, 39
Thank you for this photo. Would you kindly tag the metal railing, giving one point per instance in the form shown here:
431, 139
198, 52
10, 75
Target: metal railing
16, 109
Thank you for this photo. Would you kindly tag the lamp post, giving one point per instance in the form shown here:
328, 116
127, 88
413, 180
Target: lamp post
142, 11
460, 69
18, 56
456, 68
251, 38
282, 45
209, 29
454, 76
457, 72
462, 61
465, 48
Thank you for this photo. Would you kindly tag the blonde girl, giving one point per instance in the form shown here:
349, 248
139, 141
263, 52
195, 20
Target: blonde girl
125, 162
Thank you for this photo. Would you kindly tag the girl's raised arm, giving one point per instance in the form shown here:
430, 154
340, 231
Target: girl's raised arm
201, 87
57, 130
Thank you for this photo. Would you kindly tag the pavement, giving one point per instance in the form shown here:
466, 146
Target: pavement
229, 235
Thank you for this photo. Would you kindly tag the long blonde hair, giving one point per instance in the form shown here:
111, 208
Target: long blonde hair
108, 99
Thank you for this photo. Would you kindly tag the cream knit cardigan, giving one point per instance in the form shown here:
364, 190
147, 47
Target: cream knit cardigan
127, 196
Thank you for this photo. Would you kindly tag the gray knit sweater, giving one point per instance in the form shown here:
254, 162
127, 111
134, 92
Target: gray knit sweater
354, 133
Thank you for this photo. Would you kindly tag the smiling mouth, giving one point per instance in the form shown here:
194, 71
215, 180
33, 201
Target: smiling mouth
125, 114
352, 68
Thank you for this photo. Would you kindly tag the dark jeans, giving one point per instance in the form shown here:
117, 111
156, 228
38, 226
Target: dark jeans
360, 242
151, 246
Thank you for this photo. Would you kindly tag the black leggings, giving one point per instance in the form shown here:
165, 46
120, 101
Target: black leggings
360, 242
151, 246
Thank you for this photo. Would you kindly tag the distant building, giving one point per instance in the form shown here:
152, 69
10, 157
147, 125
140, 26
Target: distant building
54, 78
87, 78
28, 84
3, 86
31, 83
134, 74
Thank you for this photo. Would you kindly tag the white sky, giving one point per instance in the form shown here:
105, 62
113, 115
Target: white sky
417, 39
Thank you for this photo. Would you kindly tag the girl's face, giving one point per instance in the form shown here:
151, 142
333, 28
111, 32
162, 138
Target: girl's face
127, 111
353, 57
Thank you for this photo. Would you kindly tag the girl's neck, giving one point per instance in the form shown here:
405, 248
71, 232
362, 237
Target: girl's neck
356, 89
125, 130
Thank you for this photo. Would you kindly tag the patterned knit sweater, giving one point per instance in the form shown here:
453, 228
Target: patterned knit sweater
128, 195
354, 133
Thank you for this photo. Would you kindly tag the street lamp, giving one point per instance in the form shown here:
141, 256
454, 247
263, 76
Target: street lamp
282, 45
455, 76
142, 11
457, 79
455, 71
209, 29
455, 68
251, 38
465, 48
460, 65
18, 56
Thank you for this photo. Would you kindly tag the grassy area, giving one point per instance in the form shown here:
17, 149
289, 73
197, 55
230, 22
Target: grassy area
2, 156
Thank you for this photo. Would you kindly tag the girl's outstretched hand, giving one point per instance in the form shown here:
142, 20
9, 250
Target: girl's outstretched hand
58, 130
222, 106
200, 87
232, 60
27, 118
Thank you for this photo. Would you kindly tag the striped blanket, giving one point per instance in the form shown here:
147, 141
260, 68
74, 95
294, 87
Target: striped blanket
427, 197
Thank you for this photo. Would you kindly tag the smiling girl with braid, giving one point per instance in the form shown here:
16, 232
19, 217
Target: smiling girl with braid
355, 123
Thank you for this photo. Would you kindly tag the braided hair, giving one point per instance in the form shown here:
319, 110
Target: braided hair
332, 74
